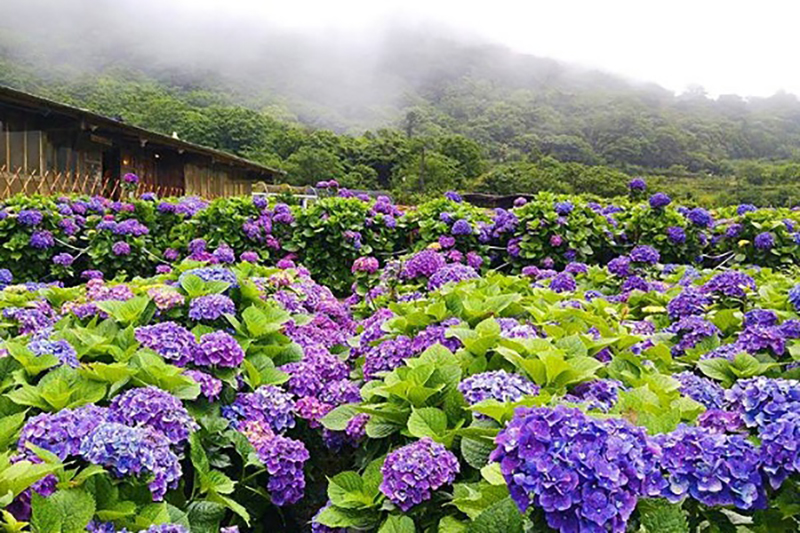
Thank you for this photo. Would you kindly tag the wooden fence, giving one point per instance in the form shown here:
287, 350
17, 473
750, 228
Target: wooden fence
14, 182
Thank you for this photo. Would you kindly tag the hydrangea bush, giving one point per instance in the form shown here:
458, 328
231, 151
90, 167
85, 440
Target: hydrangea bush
241, 365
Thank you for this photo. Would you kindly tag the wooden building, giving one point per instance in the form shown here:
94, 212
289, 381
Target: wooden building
48, 147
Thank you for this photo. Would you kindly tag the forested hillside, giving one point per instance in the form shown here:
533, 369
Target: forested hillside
418, 110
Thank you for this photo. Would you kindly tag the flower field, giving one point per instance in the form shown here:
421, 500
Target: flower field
242, 365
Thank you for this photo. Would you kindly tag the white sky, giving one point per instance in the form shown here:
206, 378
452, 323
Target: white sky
748, 47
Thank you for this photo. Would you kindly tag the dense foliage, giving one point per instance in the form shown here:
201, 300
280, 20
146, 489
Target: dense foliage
546, 368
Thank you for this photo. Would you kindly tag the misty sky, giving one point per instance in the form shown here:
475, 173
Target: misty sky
733, 46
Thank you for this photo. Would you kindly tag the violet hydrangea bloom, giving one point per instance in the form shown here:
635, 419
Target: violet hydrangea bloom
730, 283
218, 349
30, 217
284, 459
497, 385
585, 474
794, 297
597, 394
620, 266
691, 330
171, 341
763, 400
210, 387
42, 240
423, 264
764, 241
63, 259
121, 248
61, 432
713, 468
660, 200
780, 448
366, 264
637, 185
137, 451
676, 235
701, 390
212, 274
563, 282
452, 273
155, 408
700, 217
62, 349
645, 254
211, 307
688, 302
268, 404
411, 473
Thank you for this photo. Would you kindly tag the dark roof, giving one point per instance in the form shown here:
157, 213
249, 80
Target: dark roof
47, 106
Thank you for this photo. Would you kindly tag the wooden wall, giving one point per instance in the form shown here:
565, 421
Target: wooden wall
214, 181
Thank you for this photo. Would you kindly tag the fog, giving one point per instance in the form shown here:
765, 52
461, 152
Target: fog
361, 58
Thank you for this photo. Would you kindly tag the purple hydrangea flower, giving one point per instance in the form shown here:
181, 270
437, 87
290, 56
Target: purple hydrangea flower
121, 248
780, 450
700, 217
211, 274
701, 390
645, 254
585, 474
497, 385
63, 259
745, 208
62, 349
713, 468
268, 405
563, 208
676, 235
366, 264
453, 196
730, 283
452, 273
763, 400
136, 451
461, 227
660, 200
597, 394
689, 302
563, 282
760, 317
284, 459
30, 217
620, 266
249, 256
171, 341
218, 349
155, 408
413, 472
637, 185
210, 387
691, 330
42, 240
764, 241
211, 307
61, 432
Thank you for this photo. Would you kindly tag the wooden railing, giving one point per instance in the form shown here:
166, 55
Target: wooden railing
14, 182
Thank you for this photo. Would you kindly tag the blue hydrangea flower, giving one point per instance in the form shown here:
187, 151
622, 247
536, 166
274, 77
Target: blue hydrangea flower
411, 473
62, 349
780, 448
212, 274
268, 404
691, 330
156, 408
497, 385
585, 474
637, 185
211, 307
645, 254
763, 400
136, 451
700, 217
30, 217
452, 273
676, 235
745, 208
597, 394
713, 468
701, 390
218, 349
794, 297
60, 432
461, 227
563, 282
42, 240
764, 241
688, 303
730, 283
171, 341
660, 200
